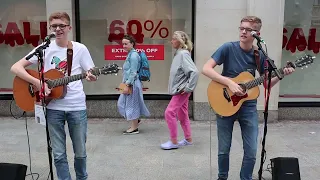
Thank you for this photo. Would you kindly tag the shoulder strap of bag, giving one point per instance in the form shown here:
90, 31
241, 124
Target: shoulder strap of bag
257, 58
138, 55
69, 56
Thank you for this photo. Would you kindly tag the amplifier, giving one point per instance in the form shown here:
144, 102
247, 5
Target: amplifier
10, 171
285, 168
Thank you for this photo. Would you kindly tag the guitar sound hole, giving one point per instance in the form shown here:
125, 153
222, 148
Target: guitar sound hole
243, 87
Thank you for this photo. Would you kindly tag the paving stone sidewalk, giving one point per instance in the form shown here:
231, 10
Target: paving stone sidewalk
113, 156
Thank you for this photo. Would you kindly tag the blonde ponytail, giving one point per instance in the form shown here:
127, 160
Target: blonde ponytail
189, 45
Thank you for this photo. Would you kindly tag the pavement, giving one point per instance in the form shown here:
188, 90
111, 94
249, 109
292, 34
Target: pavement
113, 156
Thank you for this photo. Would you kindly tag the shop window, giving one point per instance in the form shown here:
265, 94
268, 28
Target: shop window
22, 24
301, 35
103, 23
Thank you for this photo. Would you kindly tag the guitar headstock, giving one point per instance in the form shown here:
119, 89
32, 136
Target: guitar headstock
107, 69
301, 62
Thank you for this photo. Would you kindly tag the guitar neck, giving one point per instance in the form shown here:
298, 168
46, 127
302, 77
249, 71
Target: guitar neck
111, 69
65, 80
258, 81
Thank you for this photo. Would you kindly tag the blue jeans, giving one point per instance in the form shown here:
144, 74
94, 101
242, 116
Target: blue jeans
248, 120
77, 125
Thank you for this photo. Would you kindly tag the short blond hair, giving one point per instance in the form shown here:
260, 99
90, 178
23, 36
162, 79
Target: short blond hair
60, 15
184, 40
253, 19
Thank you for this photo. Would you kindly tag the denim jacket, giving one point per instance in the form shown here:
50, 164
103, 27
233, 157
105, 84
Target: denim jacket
130, 67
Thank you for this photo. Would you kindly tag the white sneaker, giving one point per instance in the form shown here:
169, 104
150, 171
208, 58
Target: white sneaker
184, 142
169, 145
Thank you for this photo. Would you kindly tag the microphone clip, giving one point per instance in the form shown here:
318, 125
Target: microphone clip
255, 35
46, 42
48, 37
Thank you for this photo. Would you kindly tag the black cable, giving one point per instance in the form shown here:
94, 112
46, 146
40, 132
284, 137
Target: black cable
266, 48
268, 169
48, 175
30, 162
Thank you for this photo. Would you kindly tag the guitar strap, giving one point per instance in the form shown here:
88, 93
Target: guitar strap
257, 58
69, 56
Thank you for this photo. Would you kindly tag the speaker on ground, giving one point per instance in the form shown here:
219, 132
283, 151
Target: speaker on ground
9, 171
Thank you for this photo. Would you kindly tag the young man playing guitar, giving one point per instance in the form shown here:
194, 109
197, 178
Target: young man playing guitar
238, 57
73, 106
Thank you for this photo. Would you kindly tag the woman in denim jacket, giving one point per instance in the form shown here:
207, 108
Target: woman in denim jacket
132, 106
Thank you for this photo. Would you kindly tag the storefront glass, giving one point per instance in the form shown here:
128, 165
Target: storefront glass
301, 36
22, 24
152, 22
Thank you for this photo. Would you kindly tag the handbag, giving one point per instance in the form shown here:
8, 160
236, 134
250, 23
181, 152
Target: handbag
122, 86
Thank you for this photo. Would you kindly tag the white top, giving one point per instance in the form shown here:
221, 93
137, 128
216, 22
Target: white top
56, 58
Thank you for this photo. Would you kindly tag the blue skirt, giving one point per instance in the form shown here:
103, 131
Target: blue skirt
132, 106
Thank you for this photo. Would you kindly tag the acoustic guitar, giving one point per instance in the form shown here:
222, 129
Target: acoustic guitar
225, 103
26, 94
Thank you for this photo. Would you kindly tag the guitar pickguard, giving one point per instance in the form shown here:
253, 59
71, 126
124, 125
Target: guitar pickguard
236, 99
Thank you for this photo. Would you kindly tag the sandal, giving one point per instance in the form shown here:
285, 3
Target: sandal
136, 131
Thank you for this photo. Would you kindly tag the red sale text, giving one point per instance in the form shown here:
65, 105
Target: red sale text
12, 35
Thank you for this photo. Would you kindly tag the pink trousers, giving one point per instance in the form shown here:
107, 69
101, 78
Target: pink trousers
178, 108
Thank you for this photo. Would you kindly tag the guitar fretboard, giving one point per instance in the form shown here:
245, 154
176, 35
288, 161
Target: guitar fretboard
65, 80
259, 81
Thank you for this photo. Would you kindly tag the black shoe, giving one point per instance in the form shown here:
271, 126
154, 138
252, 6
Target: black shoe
136, 131
221, 179
139, 122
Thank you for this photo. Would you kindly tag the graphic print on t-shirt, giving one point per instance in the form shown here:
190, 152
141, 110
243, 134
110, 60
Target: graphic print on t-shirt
60, 65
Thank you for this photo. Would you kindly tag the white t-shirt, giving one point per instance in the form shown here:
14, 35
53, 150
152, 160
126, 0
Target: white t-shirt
56, 58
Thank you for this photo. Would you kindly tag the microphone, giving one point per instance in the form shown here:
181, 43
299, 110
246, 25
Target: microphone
255, 35
43, 46
51, 35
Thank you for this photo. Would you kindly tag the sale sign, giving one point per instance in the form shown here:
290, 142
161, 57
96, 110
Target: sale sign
139, 29
299, 41
13, 36
116, 52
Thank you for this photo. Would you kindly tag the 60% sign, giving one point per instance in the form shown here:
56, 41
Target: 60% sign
117, 30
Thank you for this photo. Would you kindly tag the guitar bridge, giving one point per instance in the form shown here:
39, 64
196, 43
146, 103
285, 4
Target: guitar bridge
236, 99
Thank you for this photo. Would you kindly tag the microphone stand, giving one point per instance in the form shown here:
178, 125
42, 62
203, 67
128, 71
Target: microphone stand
39, 53
271, 68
